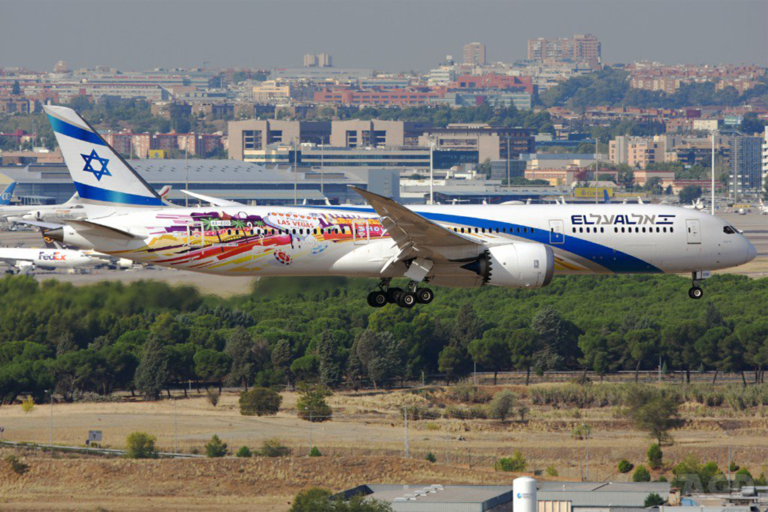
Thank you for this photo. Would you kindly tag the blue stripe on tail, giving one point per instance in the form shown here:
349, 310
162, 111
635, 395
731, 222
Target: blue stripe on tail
75, 132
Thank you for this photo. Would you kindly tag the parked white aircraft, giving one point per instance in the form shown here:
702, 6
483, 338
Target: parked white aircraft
461, 246
7, 194
695, 205
25, 260
763, 208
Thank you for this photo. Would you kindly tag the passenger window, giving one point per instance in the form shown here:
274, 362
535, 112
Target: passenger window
615, 230
531, 230
643, 230
602, 230
671, 230
574, 230
525, 230
622, 230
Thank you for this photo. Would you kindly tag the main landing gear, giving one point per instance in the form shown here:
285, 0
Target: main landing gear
404, 298
696, 292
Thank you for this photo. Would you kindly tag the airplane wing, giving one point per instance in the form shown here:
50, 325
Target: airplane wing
409, 229
213, 200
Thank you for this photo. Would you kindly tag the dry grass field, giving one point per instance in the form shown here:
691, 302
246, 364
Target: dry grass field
362, 444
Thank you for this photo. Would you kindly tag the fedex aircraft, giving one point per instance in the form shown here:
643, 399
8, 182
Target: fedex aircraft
53, 256
463, 246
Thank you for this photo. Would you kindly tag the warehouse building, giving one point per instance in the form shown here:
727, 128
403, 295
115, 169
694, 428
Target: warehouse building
226, 179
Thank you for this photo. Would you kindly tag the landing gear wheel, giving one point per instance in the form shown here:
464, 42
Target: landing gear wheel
424, 295
377, 299
407, 300
393, 295
695, 293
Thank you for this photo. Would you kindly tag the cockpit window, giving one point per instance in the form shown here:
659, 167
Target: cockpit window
729, 230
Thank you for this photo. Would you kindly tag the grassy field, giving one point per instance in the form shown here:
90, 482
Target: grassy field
364, 443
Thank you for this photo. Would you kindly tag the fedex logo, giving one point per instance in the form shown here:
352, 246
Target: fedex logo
56, 256
628, 220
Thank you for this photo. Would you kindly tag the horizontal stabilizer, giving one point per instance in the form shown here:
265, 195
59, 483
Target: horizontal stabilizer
213, 200
87, 226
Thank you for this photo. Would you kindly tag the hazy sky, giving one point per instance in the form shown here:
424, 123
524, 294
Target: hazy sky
390, 35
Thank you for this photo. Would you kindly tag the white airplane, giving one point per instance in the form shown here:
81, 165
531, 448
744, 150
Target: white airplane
763, 208
71, 210
7, 195
442, 245
25, 260
695, 205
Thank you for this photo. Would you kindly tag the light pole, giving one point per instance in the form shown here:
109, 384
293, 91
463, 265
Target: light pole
50, 440
407, 450
175, 429
597, 165
431, 171
713, 171
186, 174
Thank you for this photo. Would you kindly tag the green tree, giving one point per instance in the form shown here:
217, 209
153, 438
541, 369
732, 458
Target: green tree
140, 445
312, 405
643, 345
653, 500
212, 366
641, 474
559, 336
216, 447
502, 404
243, 452
240, 349
260, 402
281, 358
152, 373
655, 456
653, 412
516, 463
331, 361
522, 347
491, 352
689, 194
452, 362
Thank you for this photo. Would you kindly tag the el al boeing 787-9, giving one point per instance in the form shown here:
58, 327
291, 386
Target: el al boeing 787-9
516, 246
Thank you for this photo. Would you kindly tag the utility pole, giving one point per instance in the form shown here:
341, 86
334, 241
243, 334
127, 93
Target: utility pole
186, 174
597, 165
310, 432
322, 168
175, 429
586, 447
713, 171
51, 437
474, 374
447, 456
509, 176
295, 174
407, 449
431, 171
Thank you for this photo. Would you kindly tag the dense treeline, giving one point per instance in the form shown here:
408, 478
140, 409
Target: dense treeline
148, 336
611, 87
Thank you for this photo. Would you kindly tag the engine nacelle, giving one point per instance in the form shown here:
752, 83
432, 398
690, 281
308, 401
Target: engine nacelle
516, 265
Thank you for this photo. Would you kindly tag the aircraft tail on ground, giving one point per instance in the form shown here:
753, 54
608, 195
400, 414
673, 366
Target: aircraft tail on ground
100, 174
7, 195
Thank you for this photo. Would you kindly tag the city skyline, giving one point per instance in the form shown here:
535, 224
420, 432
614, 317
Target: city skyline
389, 34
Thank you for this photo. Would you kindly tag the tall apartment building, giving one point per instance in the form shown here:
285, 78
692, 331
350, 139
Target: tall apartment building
474, 54
765, 161
636, 152
746, 166
256, 134
319, 60
580, 48
586, 47
491, 142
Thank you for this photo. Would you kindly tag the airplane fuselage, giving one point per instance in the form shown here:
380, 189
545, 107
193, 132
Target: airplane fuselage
351, 241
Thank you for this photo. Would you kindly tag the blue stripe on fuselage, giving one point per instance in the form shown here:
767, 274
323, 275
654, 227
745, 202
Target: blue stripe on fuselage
112, 196
73, 131
614, 260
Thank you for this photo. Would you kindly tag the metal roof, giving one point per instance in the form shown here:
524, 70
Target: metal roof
249, 194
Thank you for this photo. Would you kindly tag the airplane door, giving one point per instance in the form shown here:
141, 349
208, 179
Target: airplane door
556, 232
195, 234
360, 232
694, 231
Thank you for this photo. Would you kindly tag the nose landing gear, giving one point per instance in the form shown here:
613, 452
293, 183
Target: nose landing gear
696, 292
404, 298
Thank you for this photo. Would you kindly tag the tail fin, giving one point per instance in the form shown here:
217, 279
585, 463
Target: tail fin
75, 199
100, 174
165, 191
7, 195
606, 197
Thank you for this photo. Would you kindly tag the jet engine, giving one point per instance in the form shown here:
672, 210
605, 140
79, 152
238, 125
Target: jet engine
515, 265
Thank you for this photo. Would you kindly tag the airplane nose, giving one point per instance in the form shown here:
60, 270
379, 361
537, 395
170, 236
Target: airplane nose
751, 252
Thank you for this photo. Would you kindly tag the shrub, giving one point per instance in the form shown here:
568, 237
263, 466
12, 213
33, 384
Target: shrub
216, 447
515, 463
470, 394
734, 466
501, 405
743, 477
312, 405
431, 458
243, 452
552, 471
655, 456
260, 402
522, 413
466, 413
318, 500
140, 445
653, 500
583, 431
213, 396
28, 404
641, 475
625, 466
274, 448
314, 452
17, 466
416, 412
662, 478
